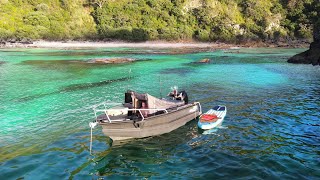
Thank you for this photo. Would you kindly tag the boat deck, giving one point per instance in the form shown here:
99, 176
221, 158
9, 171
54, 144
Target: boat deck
103, 118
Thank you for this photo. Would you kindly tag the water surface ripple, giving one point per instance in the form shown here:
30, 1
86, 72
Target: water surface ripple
271, 130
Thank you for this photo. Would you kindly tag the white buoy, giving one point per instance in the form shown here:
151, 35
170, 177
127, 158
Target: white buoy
92, 125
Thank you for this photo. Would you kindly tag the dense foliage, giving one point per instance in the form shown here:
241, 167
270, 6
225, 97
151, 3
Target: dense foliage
45, 19
139, 20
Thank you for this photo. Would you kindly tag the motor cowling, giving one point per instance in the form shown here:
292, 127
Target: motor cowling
183, 96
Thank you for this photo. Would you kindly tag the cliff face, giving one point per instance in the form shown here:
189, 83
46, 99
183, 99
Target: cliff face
311, 56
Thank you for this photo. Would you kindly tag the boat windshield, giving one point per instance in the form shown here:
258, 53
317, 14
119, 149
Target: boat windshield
222, 108
219, 108
216, 108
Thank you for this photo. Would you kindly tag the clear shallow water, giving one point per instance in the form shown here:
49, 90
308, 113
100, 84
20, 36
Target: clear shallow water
271, 129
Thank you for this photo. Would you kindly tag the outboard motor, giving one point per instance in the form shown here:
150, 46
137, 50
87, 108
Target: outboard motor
180, 96
183, 96
127, 98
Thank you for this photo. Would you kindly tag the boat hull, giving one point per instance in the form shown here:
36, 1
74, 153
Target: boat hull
152, 126
207, 126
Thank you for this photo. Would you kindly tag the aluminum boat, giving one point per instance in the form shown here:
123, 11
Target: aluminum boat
143, 115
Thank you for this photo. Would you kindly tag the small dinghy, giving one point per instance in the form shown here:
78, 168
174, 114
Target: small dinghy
212, 118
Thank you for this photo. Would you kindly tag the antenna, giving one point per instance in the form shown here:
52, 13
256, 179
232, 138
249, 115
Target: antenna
129, 77
160, 86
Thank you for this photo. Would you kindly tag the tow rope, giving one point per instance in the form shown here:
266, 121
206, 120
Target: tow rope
91, 125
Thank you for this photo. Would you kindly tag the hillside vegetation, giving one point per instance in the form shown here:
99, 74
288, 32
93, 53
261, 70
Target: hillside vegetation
46, 19
139, 20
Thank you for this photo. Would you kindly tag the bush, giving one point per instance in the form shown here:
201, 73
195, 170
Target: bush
226, 35
202, 35
168, 34
123, 34
57, 31
42, 7
28, 32
36, 18
304, 32
5, 34
185, 32
152, 34
139, 35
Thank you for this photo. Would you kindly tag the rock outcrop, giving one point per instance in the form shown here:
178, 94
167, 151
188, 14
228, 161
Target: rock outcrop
311, 56
204, 61
111, 60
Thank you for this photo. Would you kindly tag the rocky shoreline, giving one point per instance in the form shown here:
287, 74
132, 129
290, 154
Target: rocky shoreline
115, 44
312, 55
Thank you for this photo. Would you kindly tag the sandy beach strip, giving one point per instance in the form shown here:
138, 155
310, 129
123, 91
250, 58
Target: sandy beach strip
88, 44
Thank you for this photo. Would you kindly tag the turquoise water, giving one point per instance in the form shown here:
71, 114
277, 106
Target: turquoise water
271, 130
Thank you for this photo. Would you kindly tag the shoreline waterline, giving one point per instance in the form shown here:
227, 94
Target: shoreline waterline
147, 44
114, 44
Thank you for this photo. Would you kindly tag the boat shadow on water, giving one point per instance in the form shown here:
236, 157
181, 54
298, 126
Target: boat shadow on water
142, 157
151, 151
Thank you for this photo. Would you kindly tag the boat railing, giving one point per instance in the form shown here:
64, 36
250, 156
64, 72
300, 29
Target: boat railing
107, 104
199, 106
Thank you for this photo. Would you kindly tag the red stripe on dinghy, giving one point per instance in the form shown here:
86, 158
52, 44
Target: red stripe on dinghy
208, 118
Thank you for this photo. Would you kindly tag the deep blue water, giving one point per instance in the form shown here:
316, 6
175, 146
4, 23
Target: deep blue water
271, 130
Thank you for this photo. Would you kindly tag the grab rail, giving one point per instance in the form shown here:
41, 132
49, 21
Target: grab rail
105, 110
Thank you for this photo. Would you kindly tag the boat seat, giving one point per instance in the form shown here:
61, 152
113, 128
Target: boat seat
115, 111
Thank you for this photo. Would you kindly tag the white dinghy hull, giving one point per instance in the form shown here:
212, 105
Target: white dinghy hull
218, 113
